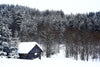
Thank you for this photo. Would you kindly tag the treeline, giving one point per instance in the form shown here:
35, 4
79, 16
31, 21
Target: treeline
80, 33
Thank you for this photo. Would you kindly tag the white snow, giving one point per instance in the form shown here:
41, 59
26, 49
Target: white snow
25, 47
57, 60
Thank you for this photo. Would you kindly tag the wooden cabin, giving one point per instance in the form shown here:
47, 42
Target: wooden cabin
29, 50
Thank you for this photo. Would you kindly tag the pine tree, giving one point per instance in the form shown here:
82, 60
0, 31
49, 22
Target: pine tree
2, 43
8, 45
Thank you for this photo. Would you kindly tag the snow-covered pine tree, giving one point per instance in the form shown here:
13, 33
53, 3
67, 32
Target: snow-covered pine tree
13, 48
2, 53
8, 45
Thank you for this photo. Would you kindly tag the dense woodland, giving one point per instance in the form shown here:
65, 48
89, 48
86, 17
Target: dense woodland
80, 33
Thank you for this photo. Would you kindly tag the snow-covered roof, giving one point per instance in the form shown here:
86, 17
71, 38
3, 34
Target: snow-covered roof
25, 47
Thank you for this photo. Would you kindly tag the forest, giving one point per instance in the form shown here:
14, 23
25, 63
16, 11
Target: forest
80, 33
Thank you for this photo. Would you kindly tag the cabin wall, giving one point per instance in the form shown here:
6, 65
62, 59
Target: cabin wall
32, 53
35, 49
22, 56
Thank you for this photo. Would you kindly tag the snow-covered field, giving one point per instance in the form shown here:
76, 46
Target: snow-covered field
54, 61
50, 62
57, 60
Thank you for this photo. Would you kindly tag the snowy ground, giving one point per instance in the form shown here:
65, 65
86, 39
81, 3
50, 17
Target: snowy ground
57, 60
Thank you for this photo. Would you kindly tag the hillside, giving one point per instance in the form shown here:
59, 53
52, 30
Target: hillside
80, 33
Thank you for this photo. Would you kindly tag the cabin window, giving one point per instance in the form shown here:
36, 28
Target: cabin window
35, 53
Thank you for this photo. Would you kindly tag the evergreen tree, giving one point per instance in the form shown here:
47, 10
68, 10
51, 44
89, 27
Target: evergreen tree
8, 45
